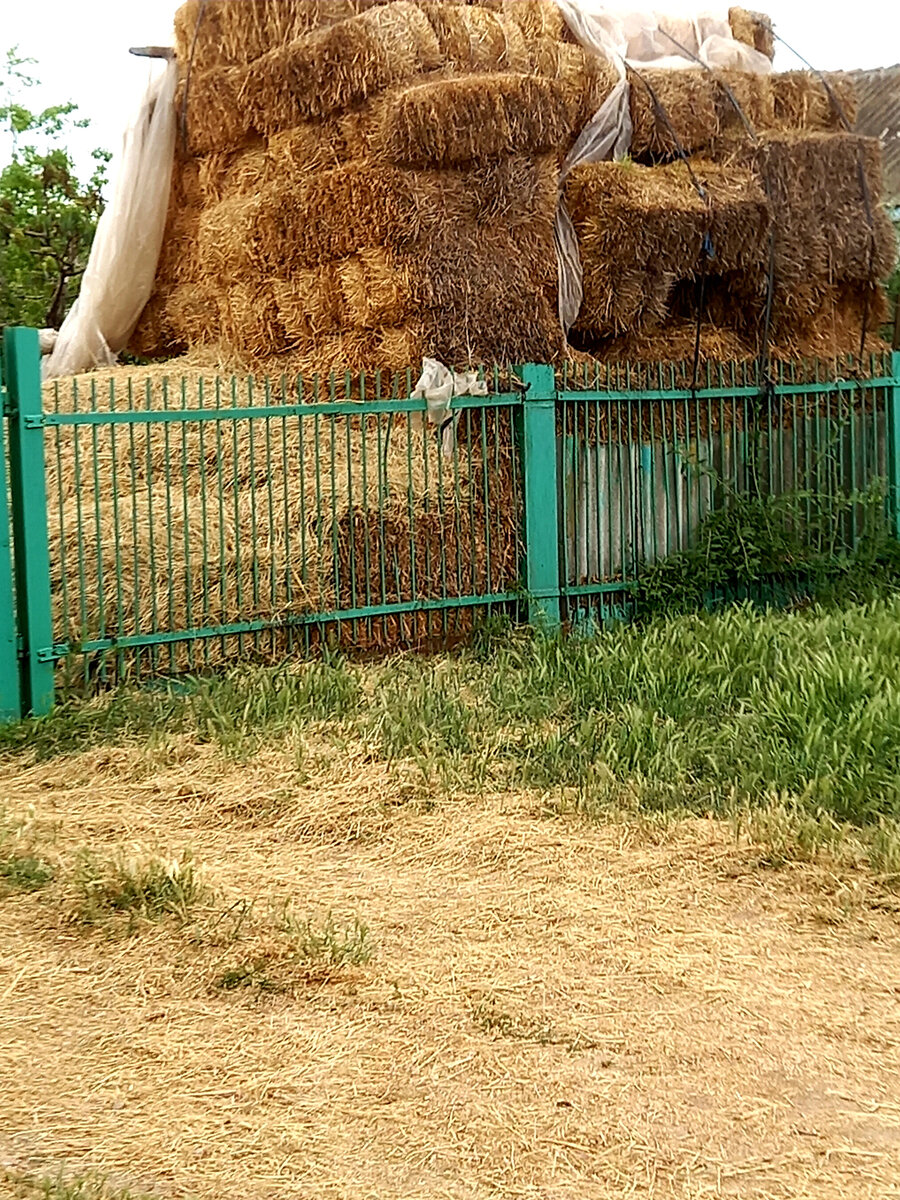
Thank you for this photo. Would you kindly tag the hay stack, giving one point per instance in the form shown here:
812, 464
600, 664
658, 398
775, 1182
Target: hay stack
380, 177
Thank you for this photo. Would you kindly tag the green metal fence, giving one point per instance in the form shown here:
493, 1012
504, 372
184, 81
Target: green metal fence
160, 525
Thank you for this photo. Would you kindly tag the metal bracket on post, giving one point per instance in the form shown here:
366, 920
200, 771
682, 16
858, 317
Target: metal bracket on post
539, 471
28, 490
894, 448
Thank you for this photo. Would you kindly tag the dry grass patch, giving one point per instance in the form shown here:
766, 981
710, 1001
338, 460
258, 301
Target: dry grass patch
555, 1008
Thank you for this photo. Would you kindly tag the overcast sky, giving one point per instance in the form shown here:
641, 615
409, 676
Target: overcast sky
81, 47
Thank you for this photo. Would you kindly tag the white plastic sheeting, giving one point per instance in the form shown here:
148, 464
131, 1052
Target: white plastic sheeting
626, 37
437, 386
124, 256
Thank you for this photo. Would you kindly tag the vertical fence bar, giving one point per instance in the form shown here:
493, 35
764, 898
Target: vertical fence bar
542, 524
28, 488
10, 689
894, 439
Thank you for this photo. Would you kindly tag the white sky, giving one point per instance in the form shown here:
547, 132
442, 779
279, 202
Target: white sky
82, 49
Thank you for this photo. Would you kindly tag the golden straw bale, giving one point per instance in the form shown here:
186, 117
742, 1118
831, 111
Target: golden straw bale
817, 184
803, 101
477, 117
376, 288
753, 29
338, 66
225, 240
179, 256
742, 96
476, 40
699, 106
215, 117
641, 231
215, 33
672, 107
586, 78
192, 312
234, 173
306, 149
536, 18
153, 336
249, 317
356, 350
310, 304
304, 221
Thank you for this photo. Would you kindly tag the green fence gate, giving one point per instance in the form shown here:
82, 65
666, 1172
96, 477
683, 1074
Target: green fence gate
158, 525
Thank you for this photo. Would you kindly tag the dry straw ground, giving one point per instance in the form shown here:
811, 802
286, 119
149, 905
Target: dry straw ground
553, 1011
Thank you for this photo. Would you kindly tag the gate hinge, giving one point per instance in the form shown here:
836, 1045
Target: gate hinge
34, 421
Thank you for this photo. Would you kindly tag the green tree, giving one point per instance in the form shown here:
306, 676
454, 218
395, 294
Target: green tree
47, 214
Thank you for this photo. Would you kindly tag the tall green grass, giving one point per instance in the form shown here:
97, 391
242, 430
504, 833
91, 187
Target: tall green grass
705, 713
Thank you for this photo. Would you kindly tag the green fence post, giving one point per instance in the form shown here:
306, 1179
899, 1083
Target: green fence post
894, 448
28, 488
540, 470
10, 690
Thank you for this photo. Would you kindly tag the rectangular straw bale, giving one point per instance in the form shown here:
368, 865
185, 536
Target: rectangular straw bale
306, 221
153, 336
234, 173
353, 351
536, 18
586, 78
192, 312
477, 117
689, 102
376, 288
804, 101
225, 238
822, 229
641, 230
308, 148
341, 65
179, 258
753, 29
215, 117
477, 40
235, 32
249, 318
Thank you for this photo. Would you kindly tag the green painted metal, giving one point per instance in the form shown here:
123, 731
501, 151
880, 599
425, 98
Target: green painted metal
29, 509
10, 687
206, 523
539, 464
894, 442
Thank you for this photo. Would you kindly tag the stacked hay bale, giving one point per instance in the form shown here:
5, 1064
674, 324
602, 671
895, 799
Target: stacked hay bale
363, 182
360, 184
753, 183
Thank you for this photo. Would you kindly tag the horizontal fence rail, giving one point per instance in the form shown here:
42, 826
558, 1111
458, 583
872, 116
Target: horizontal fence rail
176, 525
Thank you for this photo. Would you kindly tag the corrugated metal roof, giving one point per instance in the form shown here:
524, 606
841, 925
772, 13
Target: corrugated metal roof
879, 116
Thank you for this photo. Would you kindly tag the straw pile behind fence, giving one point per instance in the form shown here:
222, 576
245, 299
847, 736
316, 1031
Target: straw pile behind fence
363, 180
360, 184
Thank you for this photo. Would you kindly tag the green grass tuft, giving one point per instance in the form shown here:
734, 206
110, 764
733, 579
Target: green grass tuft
150, 888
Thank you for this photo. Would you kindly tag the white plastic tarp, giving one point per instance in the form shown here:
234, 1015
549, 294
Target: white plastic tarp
125, 252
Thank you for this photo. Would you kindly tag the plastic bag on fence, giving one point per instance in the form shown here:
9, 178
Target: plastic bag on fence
437, 386
639, 39
125, 252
